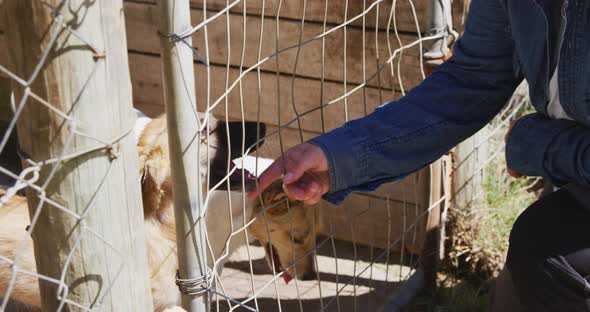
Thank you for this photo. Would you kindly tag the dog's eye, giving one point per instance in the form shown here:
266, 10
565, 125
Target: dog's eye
299, 240
299, 236
208, 131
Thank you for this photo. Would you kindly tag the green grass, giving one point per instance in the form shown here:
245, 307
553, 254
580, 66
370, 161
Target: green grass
480, 237
467, 275
507, 197
461, 296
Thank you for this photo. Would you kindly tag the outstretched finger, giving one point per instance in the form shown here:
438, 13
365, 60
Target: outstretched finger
271, 174
297, 162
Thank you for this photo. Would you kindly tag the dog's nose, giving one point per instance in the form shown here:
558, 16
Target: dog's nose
308, 276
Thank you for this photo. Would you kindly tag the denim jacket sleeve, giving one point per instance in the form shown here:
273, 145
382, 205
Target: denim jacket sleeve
555, 149
455, 101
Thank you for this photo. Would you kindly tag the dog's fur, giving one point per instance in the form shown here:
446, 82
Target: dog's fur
287, 229
159, 223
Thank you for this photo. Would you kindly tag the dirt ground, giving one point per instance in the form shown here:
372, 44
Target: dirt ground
336, 289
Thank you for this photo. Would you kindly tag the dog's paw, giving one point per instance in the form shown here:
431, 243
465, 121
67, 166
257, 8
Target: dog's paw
174, 309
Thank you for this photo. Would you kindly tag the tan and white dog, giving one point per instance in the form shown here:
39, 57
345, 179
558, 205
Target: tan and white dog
159, 223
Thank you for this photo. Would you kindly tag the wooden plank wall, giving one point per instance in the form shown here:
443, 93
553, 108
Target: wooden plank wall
5, 112
286, 85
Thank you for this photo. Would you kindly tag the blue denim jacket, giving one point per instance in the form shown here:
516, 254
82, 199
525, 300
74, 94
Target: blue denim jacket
504, 42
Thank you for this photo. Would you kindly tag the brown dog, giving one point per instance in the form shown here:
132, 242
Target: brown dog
287, 229
159, 223
154, 168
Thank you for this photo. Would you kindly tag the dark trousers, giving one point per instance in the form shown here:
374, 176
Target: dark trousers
549, 254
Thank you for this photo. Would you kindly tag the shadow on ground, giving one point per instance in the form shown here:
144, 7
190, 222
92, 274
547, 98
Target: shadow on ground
378, 275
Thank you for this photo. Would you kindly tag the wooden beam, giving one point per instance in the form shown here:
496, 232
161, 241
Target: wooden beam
148, 98
377, 221
4, 61
5, 90
142, 21
469, 160
101, 255
315, 11
185, 152
147, 90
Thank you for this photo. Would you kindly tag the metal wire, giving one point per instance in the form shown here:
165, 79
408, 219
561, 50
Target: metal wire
29, 176
389, 263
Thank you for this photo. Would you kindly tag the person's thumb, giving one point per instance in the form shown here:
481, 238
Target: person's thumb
295, 170
304, 158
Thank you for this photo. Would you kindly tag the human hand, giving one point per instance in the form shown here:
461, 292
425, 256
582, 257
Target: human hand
511, 172
306, 174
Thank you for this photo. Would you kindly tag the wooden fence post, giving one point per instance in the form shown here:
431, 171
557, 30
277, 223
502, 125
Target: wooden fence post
468, 179
183, 127
98, 246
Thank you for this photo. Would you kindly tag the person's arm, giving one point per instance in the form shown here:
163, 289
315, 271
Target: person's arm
455, 101
555, 149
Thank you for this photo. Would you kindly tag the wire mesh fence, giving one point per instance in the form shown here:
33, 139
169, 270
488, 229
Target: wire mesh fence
74, 150
303, 75
268, 74
486, 199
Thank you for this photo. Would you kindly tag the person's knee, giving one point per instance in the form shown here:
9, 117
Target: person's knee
522, 240
554, 225
546, 247
527, 265
521, 231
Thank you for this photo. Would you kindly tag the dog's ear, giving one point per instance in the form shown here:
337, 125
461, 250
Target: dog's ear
155, 175
233, 137
250, 131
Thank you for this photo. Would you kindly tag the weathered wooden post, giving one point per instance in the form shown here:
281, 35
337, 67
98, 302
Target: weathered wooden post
468, 175
183, 128
98, 246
